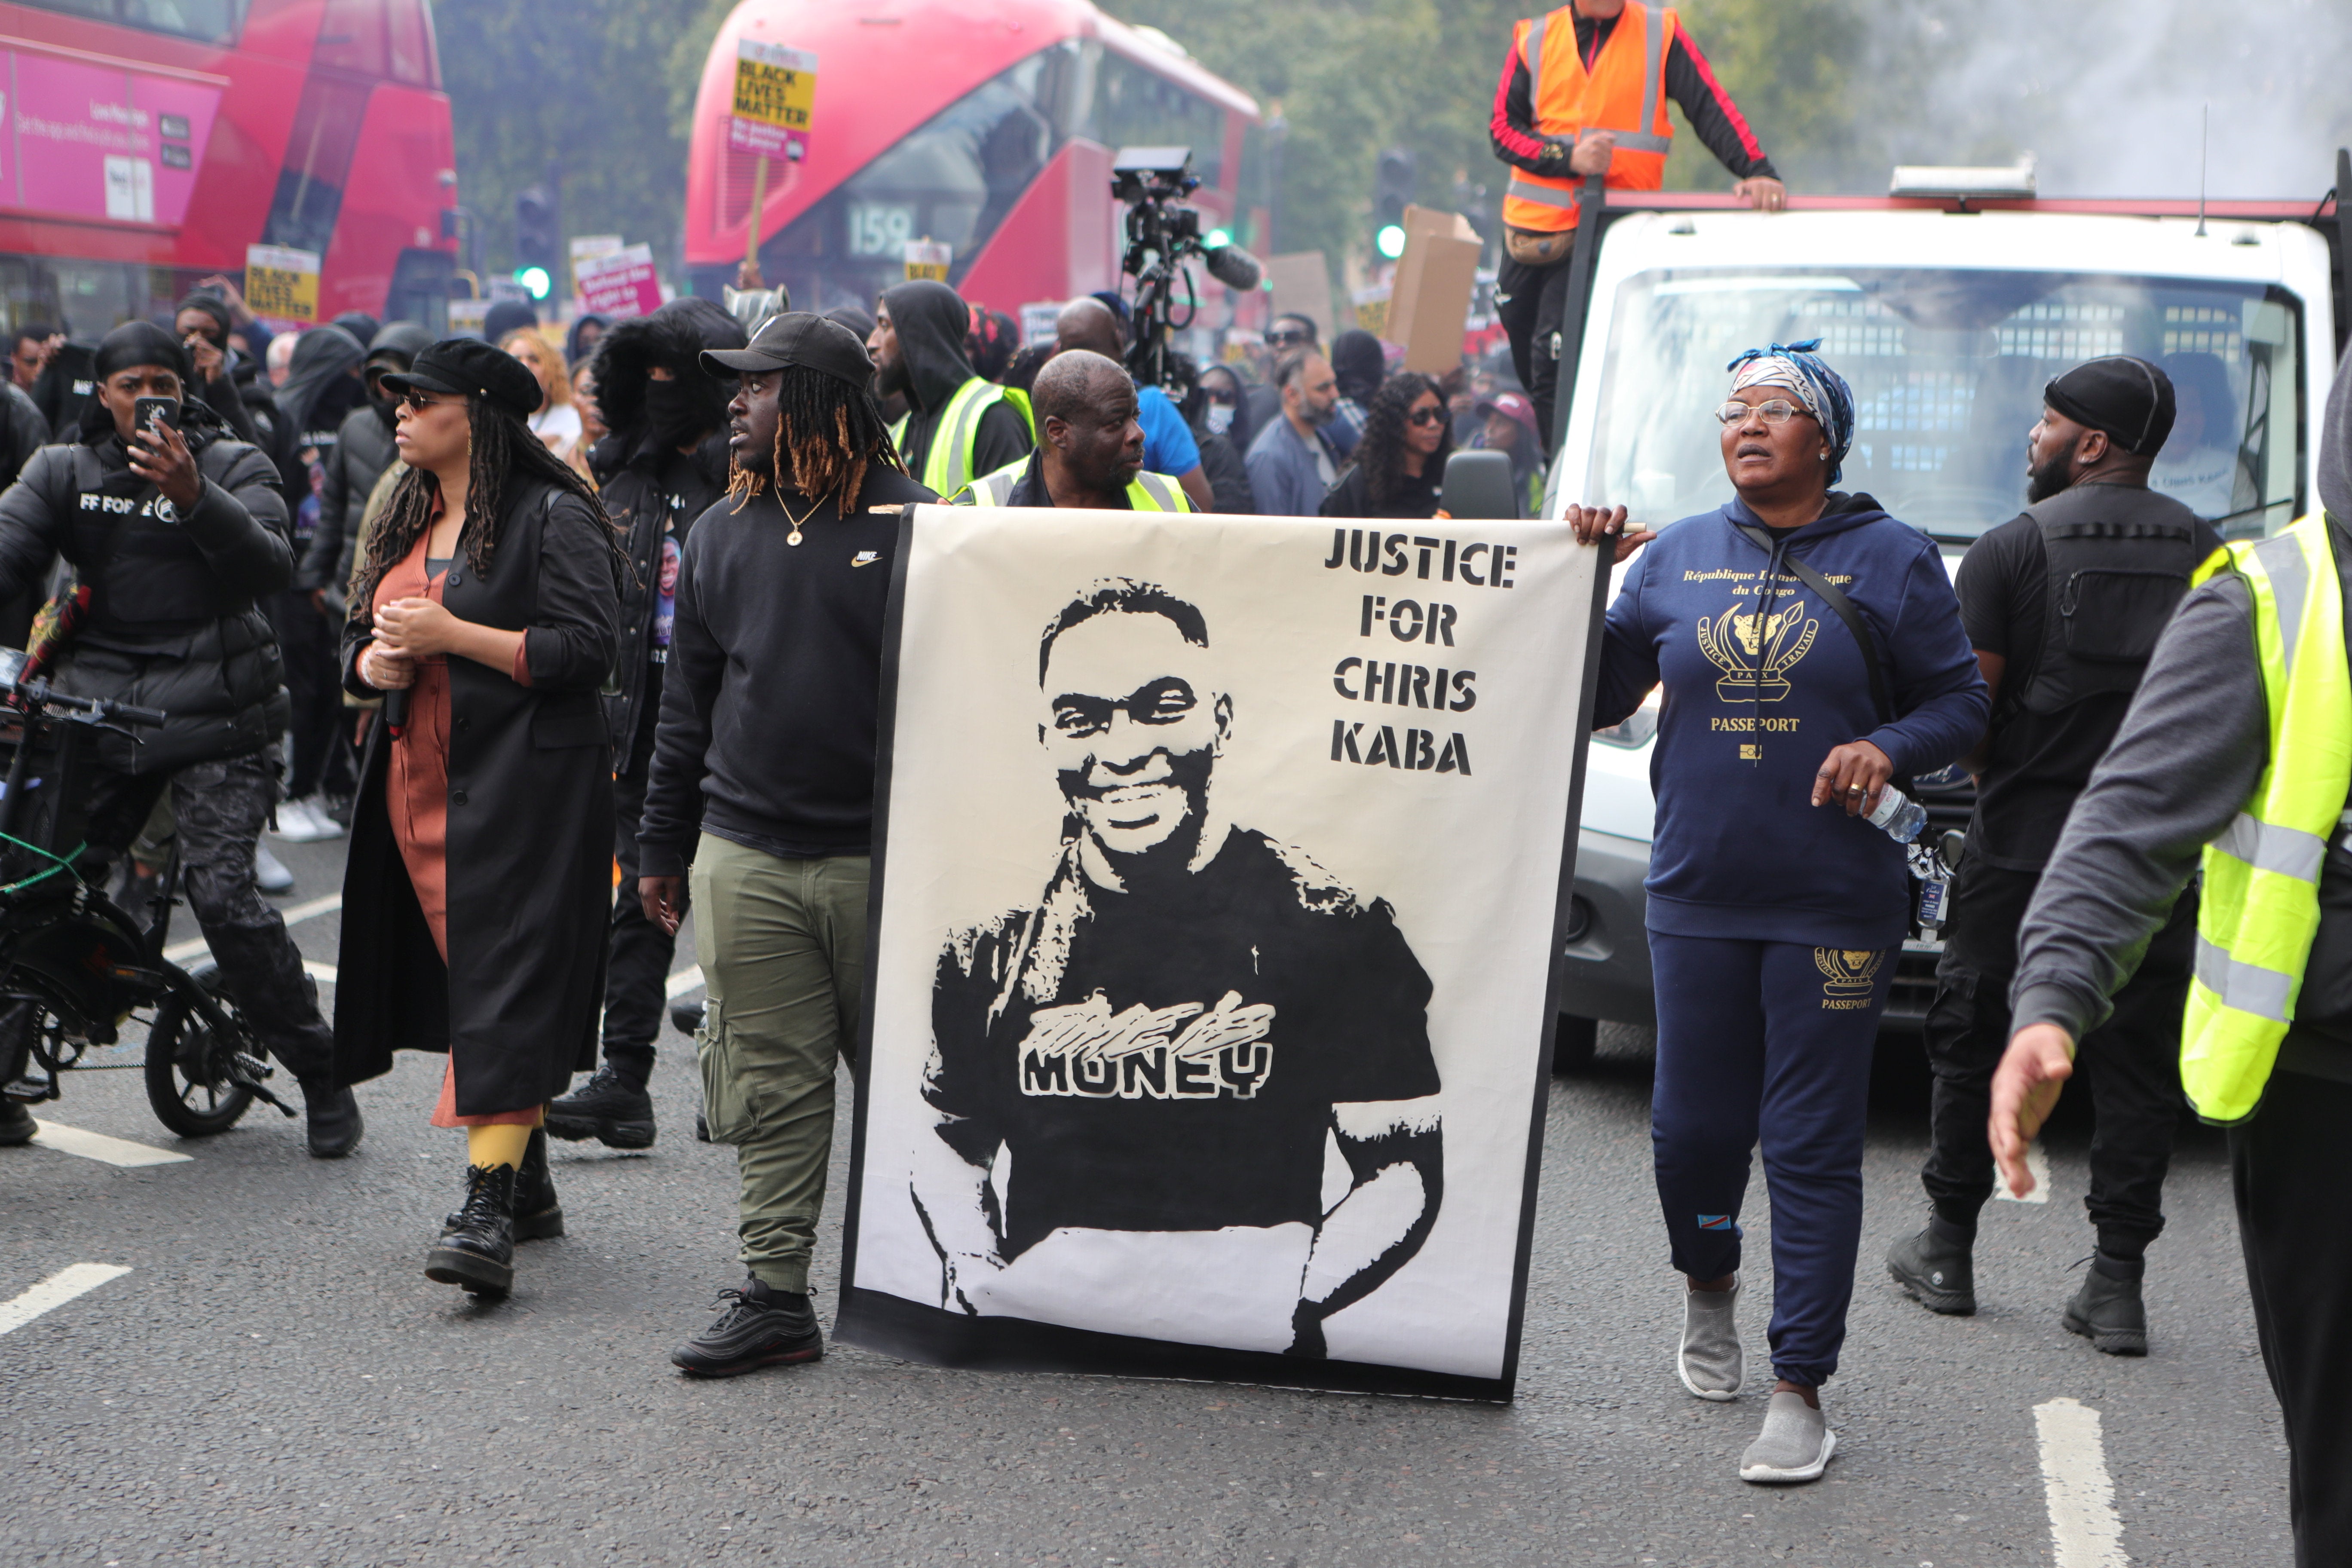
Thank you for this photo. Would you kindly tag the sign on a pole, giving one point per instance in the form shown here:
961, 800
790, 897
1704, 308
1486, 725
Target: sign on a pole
280, 284
620, 284
775, 88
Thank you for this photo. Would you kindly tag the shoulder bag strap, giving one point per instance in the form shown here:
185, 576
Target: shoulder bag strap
1879, 696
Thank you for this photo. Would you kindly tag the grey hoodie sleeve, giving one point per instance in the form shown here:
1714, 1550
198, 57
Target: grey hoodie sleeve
2186, 760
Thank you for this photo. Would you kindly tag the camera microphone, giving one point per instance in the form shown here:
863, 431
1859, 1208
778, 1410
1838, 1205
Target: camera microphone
1234, 267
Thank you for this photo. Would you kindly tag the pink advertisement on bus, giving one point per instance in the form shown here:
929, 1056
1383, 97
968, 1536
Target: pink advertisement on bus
85, 139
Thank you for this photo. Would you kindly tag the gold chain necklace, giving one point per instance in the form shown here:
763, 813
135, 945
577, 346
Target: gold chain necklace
797, 523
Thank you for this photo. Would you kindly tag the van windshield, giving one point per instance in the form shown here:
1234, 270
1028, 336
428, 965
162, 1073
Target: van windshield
1947, 368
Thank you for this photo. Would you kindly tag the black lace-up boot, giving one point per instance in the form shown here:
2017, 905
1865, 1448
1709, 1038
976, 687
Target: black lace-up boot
537, 1215
609, 1108
477, 1246
761, 1327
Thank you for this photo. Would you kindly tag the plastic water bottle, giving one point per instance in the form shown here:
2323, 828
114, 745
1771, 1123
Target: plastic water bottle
1899, 815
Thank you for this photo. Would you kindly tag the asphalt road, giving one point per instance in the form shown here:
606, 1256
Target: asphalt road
273, 1380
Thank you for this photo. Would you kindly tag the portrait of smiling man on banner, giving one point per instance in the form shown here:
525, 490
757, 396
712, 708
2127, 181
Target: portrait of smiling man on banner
1197, 1067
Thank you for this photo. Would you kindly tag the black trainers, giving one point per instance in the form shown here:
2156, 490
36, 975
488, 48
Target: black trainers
2110, 1314
332, 1124
762, 1327
1938, 1274
477, 1246
537, 1216
608, 1107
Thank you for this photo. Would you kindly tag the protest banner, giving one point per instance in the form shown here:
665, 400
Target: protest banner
928, 258
775, 91
1219, 867
620, 284
280, 284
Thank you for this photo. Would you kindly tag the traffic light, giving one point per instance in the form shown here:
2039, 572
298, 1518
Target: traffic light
538, 239
1393, 190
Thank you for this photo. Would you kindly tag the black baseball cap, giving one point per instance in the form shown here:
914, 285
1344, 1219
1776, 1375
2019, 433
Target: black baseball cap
2128, 398
796, 338
474, 368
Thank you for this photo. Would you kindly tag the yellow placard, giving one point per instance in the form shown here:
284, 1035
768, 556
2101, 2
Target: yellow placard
926, 258
774, 85
282, 285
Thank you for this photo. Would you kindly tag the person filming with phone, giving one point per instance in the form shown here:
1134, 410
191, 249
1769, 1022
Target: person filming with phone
175, 532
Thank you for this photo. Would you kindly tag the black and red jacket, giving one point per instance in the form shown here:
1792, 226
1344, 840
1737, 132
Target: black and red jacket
1690, 82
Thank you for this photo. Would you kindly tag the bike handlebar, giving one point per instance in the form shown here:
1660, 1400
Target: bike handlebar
97, 707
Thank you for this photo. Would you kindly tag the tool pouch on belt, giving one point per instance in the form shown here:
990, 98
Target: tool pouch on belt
1538, 247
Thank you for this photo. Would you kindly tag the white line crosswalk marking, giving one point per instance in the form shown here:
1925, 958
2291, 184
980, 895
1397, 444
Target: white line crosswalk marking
99, 1146
294, 914
56, 1291
2085, 1529
2037, 1162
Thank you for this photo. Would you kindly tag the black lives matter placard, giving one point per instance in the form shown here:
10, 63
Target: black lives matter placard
1218, 868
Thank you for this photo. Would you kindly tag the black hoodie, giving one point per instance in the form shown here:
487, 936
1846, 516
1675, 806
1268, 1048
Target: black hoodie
932, 322
364, 449
651, 490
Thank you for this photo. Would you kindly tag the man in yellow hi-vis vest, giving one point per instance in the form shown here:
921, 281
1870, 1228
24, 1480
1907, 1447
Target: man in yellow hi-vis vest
2237, 752
1584, 92
958, 426
1089, 446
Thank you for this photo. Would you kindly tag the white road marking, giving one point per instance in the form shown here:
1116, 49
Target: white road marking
180, 952
2037, 1165
99, 1146
324, 974
56, 1291
2085, 1529
684, 981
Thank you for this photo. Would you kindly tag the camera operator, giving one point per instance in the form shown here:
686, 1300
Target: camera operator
179, 530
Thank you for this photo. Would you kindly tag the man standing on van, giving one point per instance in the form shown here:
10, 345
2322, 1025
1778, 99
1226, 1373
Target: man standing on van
2063, 605
1584, 92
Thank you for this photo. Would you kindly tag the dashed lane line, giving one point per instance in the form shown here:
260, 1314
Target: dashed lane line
684, 981
55, 1291
2085, 1529
2037, 1164
99, 1146
294, 914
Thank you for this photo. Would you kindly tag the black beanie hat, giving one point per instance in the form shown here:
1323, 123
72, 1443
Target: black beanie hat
2128, 398
140, 342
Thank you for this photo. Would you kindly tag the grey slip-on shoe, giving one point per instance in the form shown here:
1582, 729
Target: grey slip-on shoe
1795, 1444
1709, 1360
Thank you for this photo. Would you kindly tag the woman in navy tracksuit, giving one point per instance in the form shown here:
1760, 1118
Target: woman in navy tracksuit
1774, 909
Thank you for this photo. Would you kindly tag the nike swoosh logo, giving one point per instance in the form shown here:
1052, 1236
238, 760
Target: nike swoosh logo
866, 558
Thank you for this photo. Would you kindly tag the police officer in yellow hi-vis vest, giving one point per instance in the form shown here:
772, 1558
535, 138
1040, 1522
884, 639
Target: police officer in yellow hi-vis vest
1089, 446
1585, 92
958, 426
2237, 755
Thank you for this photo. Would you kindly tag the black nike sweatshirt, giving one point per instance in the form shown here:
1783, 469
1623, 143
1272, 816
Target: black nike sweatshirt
769, 711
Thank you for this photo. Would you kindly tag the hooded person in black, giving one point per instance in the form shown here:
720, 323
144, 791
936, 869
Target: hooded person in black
362, 451
227, 381
918, 350
178, 533
661, 466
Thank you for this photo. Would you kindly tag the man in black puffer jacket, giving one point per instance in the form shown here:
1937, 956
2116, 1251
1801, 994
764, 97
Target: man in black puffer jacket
662, 465
179, 533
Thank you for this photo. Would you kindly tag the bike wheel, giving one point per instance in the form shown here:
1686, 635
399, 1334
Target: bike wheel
193, 1082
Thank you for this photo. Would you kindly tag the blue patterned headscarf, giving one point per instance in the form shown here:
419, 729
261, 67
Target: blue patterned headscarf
1822, 391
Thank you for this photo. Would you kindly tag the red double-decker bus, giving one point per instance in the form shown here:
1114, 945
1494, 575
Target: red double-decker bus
986, 125
145, 143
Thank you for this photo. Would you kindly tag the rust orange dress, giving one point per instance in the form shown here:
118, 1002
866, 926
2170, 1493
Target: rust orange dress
416, 793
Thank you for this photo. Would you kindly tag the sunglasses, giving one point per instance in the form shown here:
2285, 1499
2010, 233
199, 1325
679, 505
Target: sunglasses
1777, 412
1162, 702
420, 401
1426, 416
1286, 338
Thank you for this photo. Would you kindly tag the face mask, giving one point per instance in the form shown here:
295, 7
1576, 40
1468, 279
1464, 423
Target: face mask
1220, 418
671, 414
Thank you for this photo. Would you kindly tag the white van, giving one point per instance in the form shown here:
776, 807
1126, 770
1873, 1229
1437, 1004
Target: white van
1947, 320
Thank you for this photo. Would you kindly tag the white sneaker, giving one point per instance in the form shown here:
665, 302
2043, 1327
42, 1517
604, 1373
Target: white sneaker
268, 873
306, 822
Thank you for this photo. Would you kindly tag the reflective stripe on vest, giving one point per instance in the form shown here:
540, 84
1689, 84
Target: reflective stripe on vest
1610, 97
947, 467
2260, 906
1148, 492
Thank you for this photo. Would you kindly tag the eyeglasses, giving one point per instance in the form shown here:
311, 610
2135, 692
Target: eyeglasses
1425, 416
1778, 411
1286, 337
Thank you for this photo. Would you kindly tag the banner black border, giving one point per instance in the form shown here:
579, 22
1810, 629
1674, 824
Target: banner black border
894, 1326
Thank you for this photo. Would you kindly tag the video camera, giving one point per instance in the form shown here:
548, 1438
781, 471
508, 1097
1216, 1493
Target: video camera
1163, 234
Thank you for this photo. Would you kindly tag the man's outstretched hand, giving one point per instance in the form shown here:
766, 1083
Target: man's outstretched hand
2039, 1061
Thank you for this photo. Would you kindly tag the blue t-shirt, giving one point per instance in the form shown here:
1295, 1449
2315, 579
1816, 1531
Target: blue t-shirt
1167, 444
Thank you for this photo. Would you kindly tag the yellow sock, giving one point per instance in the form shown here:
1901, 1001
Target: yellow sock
500, 1144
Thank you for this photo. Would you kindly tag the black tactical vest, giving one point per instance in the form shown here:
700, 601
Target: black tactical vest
2119, 562
149, 577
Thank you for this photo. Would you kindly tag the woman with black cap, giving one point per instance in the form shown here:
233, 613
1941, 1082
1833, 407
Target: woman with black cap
177, 530
477, 892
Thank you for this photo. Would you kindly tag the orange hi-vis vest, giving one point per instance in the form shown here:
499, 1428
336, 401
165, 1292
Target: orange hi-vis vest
1625, 92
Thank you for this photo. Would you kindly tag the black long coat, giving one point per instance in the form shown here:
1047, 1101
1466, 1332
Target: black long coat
531, 834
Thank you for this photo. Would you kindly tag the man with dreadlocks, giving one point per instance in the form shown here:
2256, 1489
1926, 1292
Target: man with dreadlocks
763, 783
179, 530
